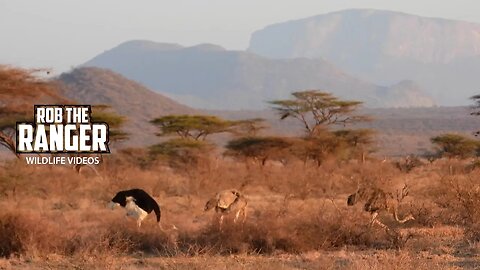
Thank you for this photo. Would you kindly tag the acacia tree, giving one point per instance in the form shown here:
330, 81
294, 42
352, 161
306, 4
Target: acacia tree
189, 134
317, 109
455, 145
20, 89
258, 148
179, 152
196, 127
249, 127
357, 139
104, 113
317, 148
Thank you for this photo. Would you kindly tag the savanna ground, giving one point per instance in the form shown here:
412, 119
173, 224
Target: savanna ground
53, 218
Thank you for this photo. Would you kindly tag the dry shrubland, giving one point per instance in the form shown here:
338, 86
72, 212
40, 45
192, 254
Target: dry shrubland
294, 209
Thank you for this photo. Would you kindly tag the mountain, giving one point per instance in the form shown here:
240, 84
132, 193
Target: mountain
400, 130
384, 47
101, 86
208, 76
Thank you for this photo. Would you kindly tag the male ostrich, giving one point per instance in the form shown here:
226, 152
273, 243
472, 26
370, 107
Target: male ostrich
137, 203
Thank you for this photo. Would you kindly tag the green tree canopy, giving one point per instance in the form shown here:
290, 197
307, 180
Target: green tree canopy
316, 109
356, 137
180, 152
455, 145
249, 127
20, 89
317, 148
259, 148
104, 113
196, 127
357, 140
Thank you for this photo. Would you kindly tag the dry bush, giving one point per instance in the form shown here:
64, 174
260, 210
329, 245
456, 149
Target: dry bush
473, 165
295, 208
453, 167
472, 233
408, 164
137, 157
332, 231
295, 233
216, 173
424, 214
375, 174
459, 198
20, 234
25, 233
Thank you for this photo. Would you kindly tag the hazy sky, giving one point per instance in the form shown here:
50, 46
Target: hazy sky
60, 34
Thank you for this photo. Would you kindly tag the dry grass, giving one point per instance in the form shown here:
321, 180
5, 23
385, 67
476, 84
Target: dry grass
298, 217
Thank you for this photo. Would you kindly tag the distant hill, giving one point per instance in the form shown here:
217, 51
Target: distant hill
100, 86
400, 131
208, 76
384, 47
